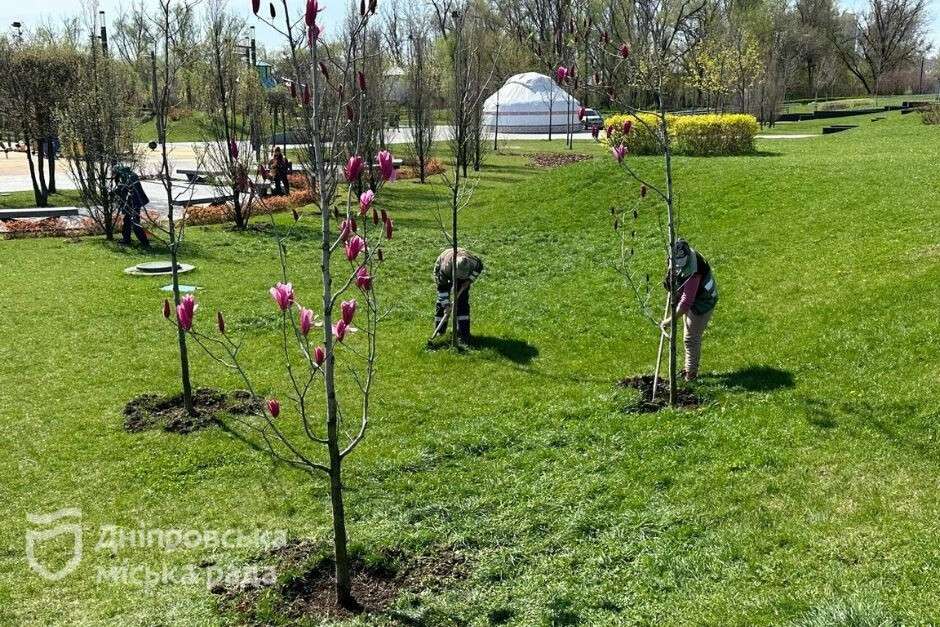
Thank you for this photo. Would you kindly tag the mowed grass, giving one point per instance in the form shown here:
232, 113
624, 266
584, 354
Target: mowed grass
804, 491
20, 200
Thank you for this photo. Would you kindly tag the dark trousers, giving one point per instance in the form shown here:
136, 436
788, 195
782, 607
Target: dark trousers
130, 221
462, 310
279, 180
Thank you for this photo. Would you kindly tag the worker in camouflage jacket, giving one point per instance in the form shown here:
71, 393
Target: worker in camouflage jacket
468, 269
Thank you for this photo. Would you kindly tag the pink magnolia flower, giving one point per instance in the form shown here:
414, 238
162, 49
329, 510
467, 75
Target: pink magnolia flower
386, 165
319, 355
348, 308
306, 95
233, 149
185, 312
363, 280
353, 168
274, 407
561, 73
627, 127
166, 309
581, 112
346, 229
220, 322
620, 151
354, 246
610, 130
310, 16
365, 201
306, 320
624, 51
313, 33
339, 330
389, 228
283, 295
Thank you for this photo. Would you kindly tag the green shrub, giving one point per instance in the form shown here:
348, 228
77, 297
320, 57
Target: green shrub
696, 135
843, 105
930, 113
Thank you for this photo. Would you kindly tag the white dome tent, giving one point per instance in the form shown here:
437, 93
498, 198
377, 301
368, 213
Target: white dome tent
530, 103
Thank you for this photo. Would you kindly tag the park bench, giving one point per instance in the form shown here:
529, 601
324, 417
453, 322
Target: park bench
38, 212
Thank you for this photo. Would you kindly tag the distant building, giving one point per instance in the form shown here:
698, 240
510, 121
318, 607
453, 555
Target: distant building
264, 75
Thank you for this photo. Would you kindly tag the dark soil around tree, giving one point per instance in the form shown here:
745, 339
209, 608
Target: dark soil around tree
304, 586
554, 160
646, 404
152, 411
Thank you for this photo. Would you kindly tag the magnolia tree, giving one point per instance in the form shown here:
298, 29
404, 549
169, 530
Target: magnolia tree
663, 33
317, 427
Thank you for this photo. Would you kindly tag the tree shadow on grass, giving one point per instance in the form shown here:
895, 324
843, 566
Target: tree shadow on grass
752, 379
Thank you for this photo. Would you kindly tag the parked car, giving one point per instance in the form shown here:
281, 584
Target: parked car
592, 117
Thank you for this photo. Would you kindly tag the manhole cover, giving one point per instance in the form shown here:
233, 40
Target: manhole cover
157, 268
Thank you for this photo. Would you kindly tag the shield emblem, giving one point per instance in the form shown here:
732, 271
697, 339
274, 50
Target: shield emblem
71, 525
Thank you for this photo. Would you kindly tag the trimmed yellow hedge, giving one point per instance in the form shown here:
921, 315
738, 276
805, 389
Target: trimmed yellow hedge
696, 135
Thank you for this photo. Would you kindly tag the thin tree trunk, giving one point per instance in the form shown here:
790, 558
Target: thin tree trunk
670, 211
50, 154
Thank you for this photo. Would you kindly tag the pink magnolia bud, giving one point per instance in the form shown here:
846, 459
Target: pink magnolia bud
310, 16
233, 149
361, 80
389, 228
353, 247
620, 151
610, 131
595, 131
283, 295
642, 191
274, 407
384, 216
306, 95
373, 5
306, 320
255, 6
339, 330
271, 10
185, 312
365, 201
293, 90
627, 126
362, 7
345, 230
166, 309
319, 355
363, 280
348, 308
386, 165
350, 114
324, 71
581, 112
353, 168
220, 322
375, 216
624, 51
561, 73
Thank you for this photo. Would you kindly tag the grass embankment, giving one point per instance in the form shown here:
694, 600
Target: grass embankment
804, 490
22, 200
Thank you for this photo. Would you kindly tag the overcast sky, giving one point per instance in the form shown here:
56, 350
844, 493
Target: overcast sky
37, 11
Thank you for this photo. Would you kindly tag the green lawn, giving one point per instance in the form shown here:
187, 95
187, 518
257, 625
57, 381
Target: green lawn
17, 200
805, 493
882, 101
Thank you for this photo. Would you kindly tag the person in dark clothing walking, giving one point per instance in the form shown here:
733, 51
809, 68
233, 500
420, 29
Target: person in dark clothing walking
131, 199
468, 270
279, 171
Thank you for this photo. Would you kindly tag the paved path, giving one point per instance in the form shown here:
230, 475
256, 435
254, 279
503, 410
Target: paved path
793, 136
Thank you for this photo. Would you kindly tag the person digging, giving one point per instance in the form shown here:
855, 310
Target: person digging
131, 200
697, 292
468, 269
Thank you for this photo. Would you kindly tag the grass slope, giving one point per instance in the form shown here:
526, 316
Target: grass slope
804, 491
21, 200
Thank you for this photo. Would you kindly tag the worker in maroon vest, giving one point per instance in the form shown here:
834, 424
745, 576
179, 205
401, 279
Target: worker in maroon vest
697, 294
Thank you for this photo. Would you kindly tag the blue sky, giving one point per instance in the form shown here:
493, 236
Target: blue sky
51, 10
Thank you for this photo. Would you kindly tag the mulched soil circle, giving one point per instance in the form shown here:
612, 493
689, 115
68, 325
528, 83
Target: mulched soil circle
556, 159
646, 404
151, 411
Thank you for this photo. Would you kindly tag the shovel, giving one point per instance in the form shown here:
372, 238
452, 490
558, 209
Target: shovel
659, 354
